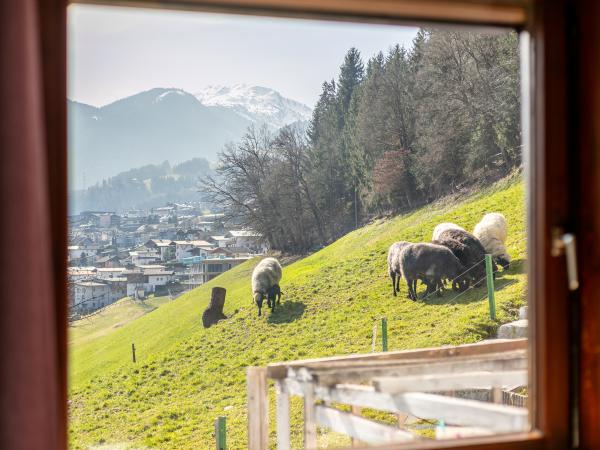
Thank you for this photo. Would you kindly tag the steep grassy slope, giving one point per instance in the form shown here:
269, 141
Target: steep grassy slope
186, 376
110, 318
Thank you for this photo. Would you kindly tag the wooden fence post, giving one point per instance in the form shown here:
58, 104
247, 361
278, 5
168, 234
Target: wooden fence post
356, 410
310, 416
283, 416
133, 351
490, 285
258, 409
384, 336
221, 432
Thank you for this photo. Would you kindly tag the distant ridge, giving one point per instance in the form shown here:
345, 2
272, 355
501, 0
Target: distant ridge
168, 124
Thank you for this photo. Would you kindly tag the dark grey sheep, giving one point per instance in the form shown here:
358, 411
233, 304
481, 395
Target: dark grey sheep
394, 264
468, 250
430, 263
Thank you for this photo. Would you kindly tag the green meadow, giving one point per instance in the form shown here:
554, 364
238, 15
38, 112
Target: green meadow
186, 376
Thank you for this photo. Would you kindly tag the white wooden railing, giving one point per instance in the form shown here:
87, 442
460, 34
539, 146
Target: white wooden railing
417, 383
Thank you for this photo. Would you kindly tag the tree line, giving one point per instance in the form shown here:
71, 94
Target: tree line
409, 127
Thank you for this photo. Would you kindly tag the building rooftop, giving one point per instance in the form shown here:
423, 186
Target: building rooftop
90, 283
244, 233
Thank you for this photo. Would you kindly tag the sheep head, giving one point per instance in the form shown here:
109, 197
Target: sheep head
258, 299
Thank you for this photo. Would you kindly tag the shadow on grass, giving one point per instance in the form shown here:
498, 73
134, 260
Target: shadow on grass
516, 266
287, 312
473, 294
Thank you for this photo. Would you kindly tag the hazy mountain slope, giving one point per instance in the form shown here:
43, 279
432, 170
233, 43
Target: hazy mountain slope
158, 125
186, 375
144, 187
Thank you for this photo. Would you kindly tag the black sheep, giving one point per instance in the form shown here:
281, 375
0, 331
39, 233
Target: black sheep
468, 250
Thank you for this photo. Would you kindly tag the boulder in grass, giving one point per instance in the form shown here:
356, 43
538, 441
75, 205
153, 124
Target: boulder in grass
214, 312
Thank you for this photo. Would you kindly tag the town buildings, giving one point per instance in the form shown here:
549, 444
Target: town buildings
159, 252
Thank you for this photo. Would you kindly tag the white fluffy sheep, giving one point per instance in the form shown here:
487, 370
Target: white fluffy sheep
492, 231
439, 229
266, 274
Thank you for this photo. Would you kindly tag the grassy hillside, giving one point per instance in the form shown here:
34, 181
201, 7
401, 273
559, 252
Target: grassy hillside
186, 375
110, 318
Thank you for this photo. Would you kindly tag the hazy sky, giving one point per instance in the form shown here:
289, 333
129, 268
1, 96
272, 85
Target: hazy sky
116, 52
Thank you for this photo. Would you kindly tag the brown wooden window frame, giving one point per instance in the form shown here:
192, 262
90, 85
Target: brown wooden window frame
548, 176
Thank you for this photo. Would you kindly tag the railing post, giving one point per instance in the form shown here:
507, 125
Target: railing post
221, 433
490, 285
258, 409
283, 416
384, 336
310, 419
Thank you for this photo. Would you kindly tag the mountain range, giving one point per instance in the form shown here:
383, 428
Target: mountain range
169, 124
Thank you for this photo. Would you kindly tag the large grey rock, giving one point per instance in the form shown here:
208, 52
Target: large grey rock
523, 311
513, 330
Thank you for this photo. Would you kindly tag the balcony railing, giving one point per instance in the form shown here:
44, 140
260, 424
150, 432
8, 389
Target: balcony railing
426, 383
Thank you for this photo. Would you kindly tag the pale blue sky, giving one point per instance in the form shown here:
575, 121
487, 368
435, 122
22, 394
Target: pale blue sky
116, 52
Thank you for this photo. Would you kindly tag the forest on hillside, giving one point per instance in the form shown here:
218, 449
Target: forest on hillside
403, 129
143, 187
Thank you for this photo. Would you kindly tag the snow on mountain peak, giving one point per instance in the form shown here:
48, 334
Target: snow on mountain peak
162, 96
255, 103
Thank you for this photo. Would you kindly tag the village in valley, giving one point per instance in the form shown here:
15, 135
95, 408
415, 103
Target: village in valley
163, 251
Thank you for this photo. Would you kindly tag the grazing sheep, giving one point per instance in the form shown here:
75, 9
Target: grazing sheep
491, 232
430, 263
468, 250
394, 266
265, 276
439, 229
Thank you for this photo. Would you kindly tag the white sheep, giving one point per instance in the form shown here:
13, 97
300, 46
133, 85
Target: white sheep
492, 231
265, 276
439, 229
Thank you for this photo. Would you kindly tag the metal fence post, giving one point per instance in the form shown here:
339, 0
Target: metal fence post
221, 433
384, 336
490, 285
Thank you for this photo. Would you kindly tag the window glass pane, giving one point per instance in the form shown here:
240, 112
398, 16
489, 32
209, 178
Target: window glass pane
355, 188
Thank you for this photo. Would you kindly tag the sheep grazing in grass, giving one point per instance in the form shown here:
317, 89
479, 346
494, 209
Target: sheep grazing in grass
265, 277
439, 229
394, 266
468, 250
492, 231
430, 263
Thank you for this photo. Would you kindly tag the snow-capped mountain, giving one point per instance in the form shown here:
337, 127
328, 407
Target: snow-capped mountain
169, 124
257, 104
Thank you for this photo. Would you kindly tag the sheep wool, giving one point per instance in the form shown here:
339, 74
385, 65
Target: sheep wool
265, 275
439, 229
492, 232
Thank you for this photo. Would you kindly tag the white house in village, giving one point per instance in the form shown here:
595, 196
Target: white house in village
141, 257
109, 272
212, 267
165, 248
223, 241
89, 295
78, 273
248, 238
183, 249
145, 280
